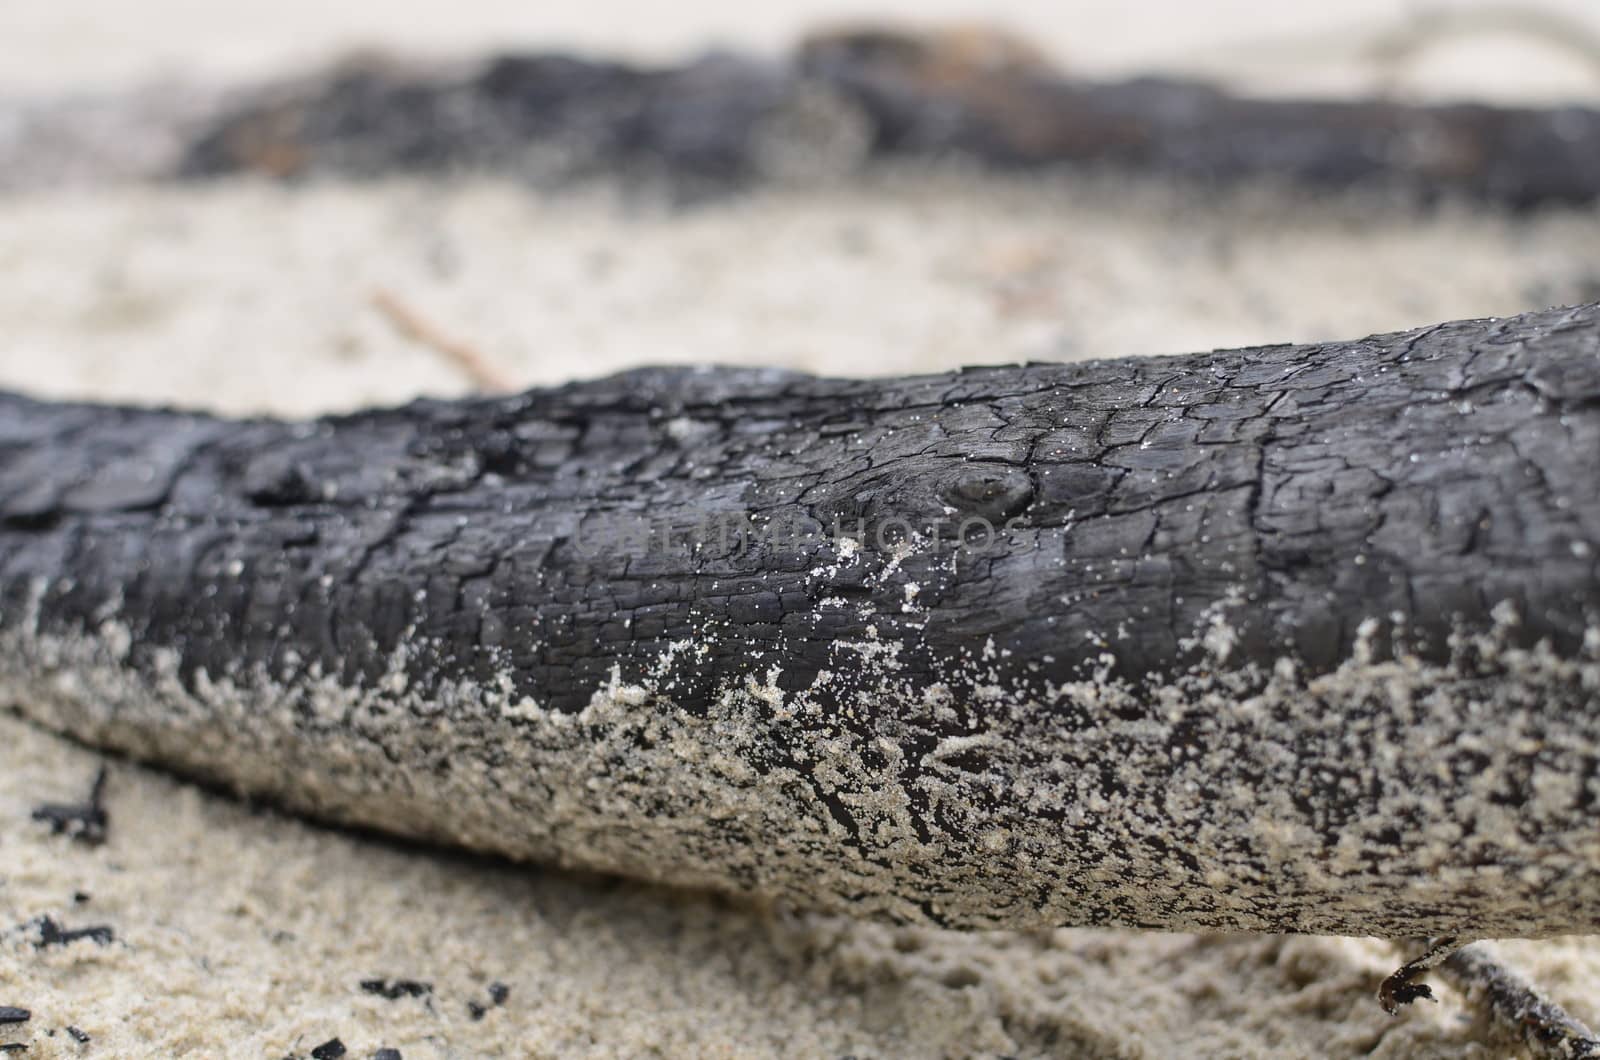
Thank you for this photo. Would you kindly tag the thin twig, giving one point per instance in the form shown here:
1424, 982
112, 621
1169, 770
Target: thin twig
464, 356
1514, 1005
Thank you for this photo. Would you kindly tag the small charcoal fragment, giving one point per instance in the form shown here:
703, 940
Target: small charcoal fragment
78, 1036
332, 1049
84, 822
387, 1054
498, 992
9, 1015
53, 934
394, 989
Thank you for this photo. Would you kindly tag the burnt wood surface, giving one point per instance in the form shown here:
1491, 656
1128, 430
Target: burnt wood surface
844, 99
1001, 533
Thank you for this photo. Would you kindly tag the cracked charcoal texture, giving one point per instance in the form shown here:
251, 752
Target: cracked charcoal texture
1288, 638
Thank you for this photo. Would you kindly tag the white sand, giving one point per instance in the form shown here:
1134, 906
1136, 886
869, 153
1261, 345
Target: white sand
1470, 47
250, 297
245, 934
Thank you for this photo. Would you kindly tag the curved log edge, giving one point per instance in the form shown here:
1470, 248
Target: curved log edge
840, 101
1288, 638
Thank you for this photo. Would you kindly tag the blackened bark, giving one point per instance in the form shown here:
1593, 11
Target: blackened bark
1432, 474
1153, 520
848, 98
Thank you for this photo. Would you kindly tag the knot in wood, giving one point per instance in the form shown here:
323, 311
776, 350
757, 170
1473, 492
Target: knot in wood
995, 492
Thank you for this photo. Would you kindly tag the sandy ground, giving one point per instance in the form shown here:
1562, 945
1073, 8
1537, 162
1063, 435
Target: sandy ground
241, 933
250, 297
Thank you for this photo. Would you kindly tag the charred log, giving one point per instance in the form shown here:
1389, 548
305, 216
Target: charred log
1287, 638
846, 99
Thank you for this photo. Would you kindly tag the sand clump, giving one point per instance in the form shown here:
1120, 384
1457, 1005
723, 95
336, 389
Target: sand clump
1457, 792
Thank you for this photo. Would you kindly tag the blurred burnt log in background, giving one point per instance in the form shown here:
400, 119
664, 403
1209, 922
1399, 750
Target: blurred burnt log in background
847, 99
